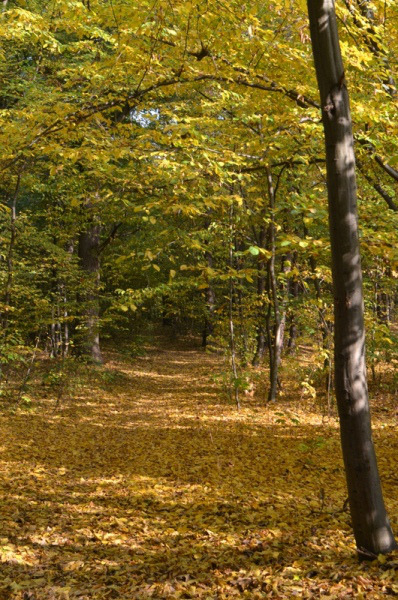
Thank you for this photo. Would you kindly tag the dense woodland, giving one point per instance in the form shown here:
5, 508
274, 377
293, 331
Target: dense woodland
165, 191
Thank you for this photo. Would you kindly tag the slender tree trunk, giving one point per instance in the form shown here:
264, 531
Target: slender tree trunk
294, 292
53, 352
66, 326
279, 318
88, 251
210, 304
10, 253
325, 330
232, 344
268, 322
260, 336
64, 295
208, 326
372, 530
231, 311
242, 327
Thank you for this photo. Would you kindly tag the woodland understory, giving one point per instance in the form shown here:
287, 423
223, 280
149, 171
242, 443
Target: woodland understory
142, 480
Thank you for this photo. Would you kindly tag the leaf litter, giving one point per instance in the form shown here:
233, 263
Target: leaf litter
148, 484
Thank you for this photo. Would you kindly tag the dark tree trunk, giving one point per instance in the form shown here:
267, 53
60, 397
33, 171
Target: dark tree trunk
88, 251
64, 294
372, 530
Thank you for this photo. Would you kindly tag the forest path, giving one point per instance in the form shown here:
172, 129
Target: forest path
147, 483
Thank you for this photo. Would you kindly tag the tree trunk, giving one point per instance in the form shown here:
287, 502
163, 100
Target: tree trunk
88, 252
231, 311
210, 304
324, 328
260, 335
10, 254
372, 530
294, 292
279, 317
261, 266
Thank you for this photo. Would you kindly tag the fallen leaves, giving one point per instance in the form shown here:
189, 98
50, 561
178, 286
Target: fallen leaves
151, 487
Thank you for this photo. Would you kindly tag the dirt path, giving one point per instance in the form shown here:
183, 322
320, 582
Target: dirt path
148, 484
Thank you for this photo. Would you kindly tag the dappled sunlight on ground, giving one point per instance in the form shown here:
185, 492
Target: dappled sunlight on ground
149, 484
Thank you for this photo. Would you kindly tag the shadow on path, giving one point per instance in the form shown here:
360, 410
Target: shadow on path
153, 486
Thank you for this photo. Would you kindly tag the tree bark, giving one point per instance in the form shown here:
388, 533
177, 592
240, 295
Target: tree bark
261, 281
372, 530
279, 316
10, 253
293, 290
88, 251
231, 311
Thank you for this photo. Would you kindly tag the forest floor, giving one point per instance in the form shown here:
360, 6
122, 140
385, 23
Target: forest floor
145, 482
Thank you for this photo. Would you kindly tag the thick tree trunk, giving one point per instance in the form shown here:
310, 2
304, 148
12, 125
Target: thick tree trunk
88, 251
372, 530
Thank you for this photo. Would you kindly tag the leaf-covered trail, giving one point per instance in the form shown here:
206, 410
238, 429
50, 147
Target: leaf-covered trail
148, 484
